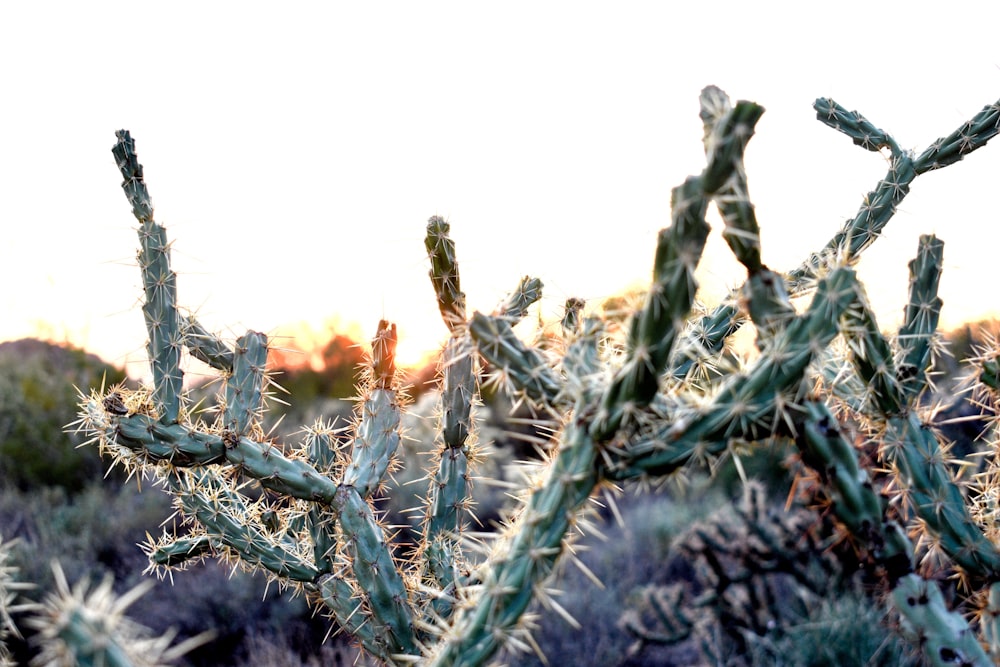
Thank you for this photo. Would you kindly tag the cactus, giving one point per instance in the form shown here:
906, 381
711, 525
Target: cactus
633, 410
755, 568
82, 625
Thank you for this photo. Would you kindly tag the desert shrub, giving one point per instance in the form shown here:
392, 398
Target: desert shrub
38, 398
92, 535
839, 625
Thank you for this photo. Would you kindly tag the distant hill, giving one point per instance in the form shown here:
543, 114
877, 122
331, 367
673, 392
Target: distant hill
38, 399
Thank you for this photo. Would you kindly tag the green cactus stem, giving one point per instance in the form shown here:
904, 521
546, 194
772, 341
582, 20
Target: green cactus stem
944, 635
748, 405
377, 437
159, 283
920, 318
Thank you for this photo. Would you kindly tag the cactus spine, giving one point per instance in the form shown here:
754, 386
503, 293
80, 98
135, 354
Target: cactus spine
639, 416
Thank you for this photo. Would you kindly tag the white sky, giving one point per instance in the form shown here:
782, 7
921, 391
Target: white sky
295, 154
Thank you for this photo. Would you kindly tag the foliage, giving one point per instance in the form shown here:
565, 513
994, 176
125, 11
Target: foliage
759, 572
92, 534
656, 402
38, 397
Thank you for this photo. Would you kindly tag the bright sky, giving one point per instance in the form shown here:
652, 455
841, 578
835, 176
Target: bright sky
295, 154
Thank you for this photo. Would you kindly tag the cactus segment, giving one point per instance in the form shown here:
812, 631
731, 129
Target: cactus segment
920, 320
444, 272
321, 523
726, 142
742, 232
180, 550
245, 386
861, 131
449, 490
972, 134
825, 449
375, 444
571, 315
514, 576
376, 573
377, 437
767, 304
703, 338
228, 519
746, 406
159, 283
873, 358
185, 446
522, 365
206, 346
516, 305
944, 635
989, 620
655, 328
936, 498
582, 363
342, 600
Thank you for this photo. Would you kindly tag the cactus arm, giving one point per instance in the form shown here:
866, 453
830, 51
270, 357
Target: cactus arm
524, 366
159, 284
228, 518
572, 311
449, 494
321, 523
872, 358
932, 492
989, 372
746, 405
972, 134
206, 346
741, 232
989, 620
183, 446
581, 364
87, 626
945, 636
513, 578
244, 395
910, 446
376, 573
704, 338
337, 593
880, 204
655, 328
377, 437
515, 306
444, 272
876, 209
921, 316
860, 130
177, 551
825, 449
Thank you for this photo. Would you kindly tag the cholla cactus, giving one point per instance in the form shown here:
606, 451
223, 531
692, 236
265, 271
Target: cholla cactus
10, 590
755, 567
638, 409
82, 625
